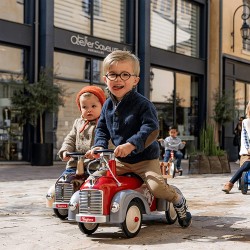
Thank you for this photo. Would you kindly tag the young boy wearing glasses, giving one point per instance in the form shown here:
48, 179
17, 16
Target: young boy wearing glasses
130, 121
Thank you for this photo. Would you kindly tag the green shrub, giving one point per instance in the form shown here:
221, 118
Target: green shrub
207, 142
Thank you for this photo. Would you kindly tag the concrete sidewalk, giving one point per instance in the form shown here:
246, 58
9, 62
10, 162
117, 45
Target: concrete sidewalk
22, 171
220, 221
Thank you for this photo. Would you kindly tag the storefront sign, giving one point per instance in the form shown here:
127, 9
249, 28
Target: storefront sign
91, 44
85, 44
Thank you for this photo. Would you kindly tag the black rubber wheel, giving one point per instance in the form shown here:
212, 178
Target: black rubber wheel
244, 183
170, 213
133, 220
61, 213
88, 228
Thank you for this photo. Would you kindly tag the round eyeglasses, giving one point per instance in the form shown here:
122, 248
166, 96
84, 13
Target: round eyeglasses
124, 76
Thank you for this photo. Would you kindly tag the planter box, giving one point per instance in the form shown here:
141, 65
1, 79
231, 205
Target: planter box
225, 164
202, 164
215, 165
194, 164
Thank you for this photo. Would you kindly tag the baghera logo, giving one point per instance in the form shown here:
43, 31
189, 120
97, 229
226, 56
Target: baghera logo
87, 219
62, 205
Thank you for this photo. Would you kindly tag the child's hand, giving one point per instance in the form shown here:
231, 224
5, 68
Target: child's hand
124, 149
65, 156
90, 153
183, 142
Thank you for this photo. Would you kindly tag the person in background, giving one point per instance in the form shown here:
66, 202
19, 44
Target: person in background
175, 144
130, 121
244, 152
89, 100
237, 140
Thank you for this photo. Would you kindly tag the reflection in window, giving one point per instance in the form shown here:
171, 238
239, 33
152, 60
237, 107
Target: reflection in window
78, 68
187, 104
11, 69
109, 22
104, 19
86, 6
175, 96
97, 8
162, 28
12, 10
187, 22
241, 98
247, 93
87, 69
97, 69
69, 66
11, 75
72, 15
180, 34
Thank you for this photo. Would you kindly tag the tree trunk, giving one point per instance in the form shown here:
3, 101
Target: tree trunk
41, 128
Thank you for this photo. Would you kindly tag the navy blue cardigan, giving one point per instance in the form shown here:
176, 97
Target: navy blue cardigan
133, 119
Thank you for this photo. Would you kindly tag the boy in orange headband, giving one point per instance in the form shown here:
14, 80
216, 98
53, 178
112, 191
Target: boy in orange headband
89, 100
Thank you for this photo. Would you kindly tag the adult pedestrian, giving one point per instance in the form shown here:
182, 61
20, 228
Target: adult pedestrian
237, 138
244, 152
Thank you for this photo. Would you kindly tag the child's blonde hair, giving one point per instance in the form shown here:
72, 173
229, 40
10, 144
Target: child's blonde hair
248, 110
121, 55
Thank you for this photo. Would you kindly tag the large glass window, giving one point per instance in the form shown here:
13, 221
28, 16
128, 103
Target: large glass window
104, 19
71, 66
73, 15
12, 10
175, 26
242, 95
11, 75
175, 96
11, 69
78, 68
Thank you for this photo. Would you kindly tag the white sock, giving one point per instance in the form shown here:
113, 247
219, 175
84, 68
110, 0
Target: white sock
179, 201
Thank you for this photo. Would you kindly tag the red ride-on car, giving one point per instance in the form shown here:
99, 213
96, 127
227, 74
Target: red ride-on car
113, 199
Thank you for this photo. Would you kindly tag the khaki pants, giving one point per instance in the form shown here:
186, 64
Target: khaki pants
150, 172
244, 158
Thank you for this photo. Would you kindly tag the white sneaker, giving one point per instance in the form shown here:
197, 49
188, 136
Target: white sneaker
237, 162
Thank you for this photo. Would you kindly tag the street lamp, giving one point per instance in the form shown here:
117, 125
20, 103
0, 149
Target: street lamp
245, 29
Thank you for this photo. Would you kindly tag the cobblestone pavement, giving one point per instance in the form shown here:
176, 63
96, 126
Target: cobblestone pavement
220, 221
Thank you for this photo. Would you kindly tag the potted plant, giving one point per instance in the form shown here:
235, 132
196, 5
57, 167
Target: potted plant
224, 107
223, 111
211, 158
217, 157
34, 100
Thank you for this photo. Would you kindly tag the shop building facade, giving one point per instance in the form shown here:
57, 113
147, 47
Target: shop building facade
174, 39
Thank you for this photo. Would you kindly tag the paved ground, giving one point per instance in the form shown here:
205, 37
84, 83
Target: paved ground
220, 221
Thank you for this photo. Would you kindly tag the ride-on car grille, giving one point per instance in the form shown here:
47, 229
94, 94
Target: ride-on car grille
91, 201
64, 191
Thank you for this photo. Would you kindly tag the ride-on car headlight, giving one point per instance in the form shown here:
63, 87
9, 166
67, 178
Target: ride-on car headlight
49, 196
73, 206
115, 207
